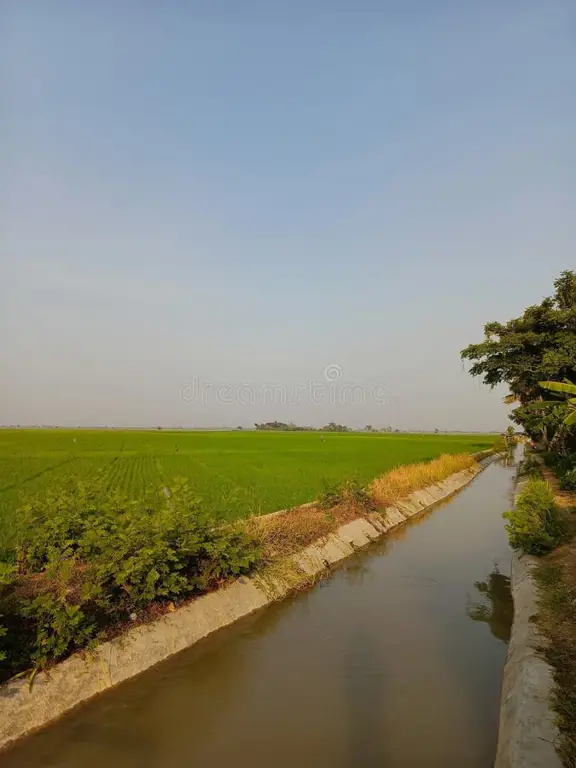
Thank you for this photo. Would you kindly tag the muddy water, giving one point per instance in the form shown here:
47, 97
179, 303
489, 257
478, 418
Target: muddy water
395, 661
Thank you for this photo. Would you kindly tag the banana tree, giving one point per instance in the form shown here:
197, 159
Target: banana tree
564, 388
565, 419
558, 415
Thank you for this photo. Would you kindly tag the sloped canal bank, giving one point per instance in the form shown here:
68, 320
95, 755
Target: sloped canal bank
395, 660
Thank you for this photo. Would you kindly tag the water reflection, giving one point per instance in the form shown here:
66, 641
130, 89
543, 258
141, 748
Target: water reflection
497, 607
508, 457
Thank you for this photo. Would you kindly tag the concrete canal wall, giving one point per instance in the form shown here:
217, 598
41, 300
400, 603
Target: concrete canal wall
528, 732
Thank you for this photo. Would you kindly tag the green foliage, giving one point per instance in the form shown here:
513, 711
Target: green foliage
135, 552
540, 423
333, 427
6, 580
535, 524
560, 387
568, 480
568, 391
537, 347
87, 563
350, 491
560, 464
281, 426
61, 627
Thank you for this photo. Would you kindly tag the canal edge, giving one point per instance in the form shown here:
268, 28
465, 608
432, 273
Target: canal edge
25, 708
527, 732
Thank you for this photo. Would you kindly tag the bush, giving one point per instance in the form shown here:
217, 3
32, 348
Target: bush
350, 491
60, 627
568, 480
6, 579
560, 464
535, 524
86, 564
132, 552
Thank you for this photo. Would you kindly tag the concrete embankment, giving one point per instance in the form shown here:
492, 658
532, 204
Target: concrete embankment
83, 675
527, 733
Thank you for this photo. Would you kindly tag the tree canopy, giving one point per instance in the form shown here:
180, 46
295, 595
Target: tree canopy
539, 346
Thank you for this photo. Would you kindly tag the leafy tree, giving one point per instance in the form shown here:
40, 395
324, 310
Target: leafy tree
281, 426
333, 427
538, 346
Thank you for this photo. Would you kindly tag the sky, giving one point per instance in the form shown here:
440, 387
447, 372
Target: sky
216, 213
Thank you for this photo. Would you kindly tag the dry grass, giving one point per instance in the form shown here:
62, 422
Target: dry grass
283, 534
294, 529
280, 576
401, 482
557, 621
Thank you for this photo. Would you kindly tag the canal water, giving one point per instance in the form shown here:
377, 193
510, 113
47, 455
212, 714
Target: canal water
395, 660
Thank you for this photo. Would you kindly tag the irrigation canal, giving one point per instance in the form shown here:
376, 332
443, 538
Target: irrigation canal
395, 660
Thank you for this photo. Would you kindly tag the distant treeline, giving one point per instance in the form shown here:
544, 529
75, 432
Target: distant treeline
281, 426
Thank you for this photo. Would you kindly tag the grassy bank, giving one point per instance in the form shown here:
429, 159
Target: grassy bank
83, 569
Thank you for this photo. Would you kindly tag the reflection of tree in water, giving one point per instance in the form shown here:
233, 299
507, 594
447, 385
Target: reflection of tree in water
508, 457
497, 608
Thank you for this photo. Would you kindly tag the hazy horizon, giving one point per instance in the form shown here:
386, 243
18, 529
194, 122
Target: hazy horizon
215, 215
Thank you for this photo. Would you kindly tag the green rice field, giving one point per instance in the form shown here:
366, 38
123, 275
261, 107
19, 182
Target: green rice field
235, 473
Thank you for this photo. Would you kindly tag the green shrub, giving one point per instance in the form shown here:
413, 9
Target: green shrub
86, 563
6, 579
60, 626
559, 463
349, 491
568, 480
130, 552
535, 524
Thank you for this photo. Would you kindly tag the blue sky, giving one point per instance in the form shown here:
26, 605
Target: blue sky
245, 193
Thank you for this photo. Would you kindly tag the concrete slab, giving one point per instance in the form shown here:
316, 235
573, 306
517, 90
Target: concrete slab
358, 533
